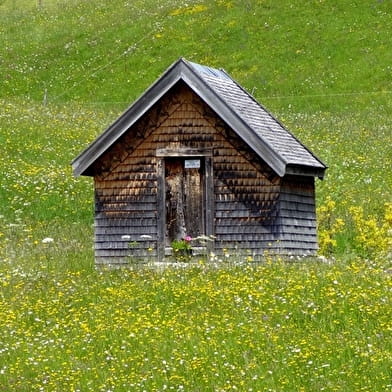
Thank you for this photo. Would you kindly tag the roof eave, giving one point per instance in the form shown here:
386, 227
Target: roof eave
307, 171
82, 163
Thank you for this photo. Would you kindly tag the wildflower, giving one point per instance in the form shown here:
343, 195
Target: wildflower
47, 240
204, 237
182, 249
213, 256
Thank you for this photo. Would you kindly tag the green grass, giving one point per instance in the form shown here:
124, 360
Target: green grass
278, 327
67, 69
311, 53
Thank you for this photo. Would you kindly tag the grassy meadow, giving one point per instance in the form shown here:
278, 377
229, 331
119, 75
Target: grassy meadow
67, 69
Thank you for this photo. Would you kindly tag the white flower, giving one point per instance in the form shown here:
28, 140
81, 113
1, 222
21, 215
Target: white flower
47, 240
126, 237
146, 236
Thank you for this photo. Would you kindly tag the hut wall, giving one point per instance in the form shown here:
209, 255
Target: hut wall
246, 198
297, 216
246, 192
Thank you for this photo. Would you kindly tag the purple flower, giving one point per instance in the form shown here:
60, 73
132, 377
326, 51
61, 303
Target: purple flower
188, 238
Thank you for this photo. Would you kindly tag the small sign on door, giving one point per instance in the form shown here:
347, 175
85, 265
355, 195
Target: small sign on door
192, 163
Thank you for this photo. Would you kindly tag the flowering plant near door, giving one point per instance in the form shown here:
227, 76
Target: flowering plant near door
182, 249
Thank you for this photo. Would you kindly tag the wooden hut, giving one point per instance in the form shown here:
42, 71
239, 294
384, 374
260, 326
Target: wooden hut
196, 155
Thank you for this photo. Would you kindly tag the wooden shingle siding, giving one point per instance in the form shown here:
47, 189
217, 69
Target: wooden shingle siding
125, 210
297, 216
253, 209
246, 195
127, 192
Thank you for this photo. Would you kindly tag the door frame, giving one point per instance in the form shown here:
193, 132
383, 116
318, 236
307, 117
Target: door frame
184, 152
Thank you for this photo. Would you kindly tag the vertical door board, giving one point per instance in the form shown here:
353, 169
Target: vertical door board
183, 200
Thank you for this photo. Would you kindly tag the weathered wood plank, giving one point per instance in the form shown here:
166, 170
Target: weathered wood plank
243, 229
126, 185
141, 220
134, 242
240, 214
127, 199
297, 223
125, 208
245, 243
209, 199
299, 207
297, 198
119, 231
183, 152
104, 220
243, 222
161, 217
124, 255
130, 229
307, 214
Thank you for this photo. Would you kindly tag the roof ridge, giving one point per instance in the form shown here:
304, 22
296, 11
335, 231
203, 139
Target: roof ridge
196, 68
258, 127
271, 116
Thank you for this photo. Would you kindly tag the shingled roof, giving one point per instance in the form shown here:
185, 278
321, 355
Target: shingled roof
250, 120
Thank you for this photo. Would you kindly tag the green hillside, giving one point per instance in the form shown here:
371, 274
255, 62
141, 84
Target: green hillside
330, 55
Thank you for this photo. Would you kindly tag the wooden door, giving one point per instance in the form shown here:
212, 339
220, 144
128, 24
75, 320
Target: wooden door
184, 185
